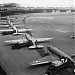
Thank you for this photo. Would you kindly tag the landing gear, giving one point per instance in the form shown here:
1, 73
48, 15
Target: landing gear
3, 33
15, 46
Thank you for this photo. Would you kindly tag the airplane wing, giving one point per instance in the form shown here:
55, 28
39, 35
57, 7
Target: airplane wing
9, 25
18, 25
24, 30
6, 30
44, 60
3, 25
16, 41
43, 39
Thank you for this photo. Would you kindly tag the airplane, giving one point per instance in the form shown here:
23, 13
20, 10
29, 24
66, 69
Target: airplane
5, 18
9, 24
56, 67
72, 37
57, 61
54, 54
29, 40
14, 30
24, 19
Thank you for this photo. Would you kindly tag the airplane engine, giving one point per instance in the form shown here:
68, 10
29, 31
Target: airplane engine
7, 32
15, 46
21, 45
4, 33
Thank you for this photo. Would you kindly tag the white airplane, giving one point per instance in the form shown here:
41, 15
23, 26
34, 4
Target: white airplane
14, 30
73, 36
29, 40
9, 24
5, 18
55, 54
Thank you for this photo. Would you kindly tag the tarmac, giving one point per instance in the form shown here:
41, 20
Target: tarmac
57, 26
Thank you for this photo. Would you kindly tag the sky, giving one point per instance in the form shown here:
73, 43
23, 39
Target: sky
42, 3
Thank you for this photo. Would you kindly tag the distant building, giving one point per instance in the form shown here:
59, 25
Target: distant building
30, 8
10, 5
13, 8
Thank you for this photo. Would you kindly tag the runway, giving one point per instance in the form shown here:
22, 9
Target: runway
57, 26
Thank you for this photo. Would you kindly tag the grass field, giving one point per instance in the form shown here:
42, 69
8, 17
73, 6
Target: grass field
57, 26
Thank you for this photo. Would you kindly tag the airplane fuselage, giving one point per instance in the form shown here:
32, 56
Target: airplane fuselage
8, 32
21, 45
59, 53
5, 26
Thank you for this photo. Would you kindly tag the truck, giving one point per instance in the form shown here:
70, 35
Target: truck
56, 66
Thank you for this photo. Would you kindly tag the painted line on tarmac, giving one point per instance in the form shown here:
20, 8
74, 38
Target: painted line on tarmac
42, 17
45, 17
62, 31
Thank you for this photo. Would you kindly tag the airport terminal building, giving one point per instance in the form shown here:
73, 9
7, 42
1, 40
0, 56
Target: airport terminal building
13, 8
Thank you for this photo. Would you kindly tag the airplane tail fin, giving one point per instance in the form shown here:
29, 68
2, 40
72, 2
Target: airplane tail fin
36, 47
8, 20
24, 22
14, 34
24, 19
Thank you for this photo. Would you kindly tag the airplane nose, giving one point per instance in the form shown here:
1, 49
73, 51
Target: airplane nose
3, 33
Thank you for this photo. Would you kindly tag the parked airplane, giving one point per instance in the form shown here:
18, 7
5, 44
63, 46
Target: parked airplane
29, 40
14, 30
5, 18
73, 36
24, 19
56, 67
55, 54
9, 24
